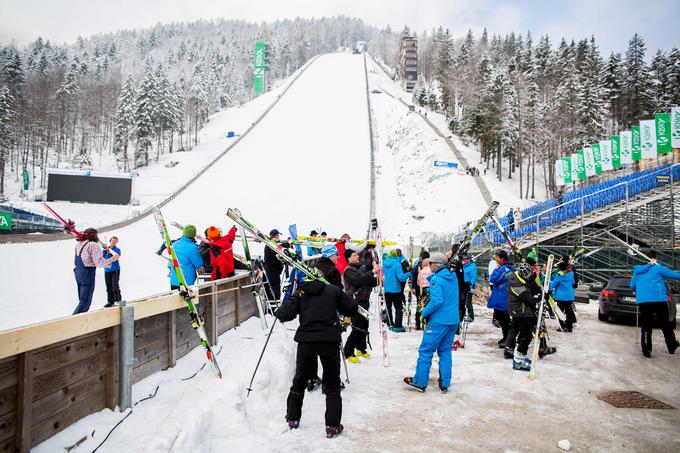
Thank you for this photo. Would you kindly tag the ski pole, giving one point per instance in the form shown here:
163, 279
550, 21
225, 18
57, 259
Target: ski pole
250, 389
344, 360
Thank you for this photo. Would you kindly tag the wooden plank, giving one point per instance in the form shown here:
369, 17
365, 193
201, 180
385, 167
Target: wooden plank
22, 339
237, 304
152, 336
24, 414
51, 426
163, 304
151, 351
8, 400
8, 428
185, 348
225, 323
211, 319
64, 398
226, 305
112, 352
62, 377
158, 363
49, 358
172, 338
8, 372
8, 446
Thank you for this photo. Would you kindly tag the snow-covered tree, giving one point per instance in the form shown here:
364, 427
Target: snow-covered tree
125, 122
638, 88
144, 119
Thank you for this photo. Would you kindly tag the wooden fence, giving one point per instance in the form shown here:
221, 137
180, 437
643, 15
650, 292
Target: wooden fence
54, 373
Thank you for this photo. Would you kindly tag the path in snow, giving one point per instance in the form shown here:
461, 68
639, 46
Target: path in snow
308, 162
490, 407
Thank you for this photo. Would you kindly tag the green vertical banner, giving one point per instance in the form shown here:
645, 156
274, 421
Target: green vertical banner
597, 157
663, 133
581, 165
616, 151
575, 172
5, 221
626, 147
635, 142
675, 127
559, 173
566, 169
258, 69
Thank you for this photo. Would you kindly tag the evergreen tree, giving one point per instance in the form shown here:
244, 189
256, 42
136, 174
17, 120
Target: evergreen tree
674, 80
125, 122
638, 89
613, 87
593, 107
661, 72
443, 70
144, 116
6, 114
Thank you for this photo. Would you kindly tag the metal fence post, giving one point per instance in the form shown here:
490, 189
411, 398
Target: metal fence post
582, 212
127, 354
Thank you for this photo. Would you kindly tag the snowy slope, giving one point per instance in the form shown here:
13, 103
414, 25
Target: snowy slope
287, 171
156, 182
413, 196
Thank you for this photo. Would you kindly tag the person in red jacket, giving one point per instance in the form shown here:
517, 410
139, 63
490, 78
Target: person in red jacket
221, 252
342, 262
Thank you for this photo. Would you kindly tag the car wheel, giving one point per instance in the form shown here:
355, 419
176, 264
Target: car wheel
602, 317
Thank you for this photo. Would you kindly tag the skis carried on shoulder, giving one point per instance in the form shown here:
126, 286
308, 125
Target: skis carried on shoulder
382, 306
469, 237
186, 292
539, 322
409, 286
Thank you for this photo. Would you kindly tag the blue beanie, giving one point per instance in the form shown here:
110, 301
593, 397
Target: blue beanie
329, 250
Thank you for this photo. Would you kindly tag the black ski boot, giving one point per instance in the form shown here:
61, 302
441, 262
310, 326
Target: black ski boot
671, 349
442, 389
508, 353
409, 381
334, 431
293, 424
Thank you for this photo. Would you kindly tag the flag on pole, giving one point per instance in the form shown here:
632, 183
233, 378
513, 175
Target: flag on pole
648, 139
606, 155
581, 165
626, 147
589, 161
635, 142
574, 168
663, 133
616, 151
597, 157
675, 127
559, 173
566, 170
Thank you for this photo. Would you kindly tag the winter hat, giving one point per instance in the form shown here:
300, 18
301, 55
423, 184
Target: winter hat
348, 253
502, 254
438, 258
189, 231
329, 250
274, 232
213, 233
313, 233
393, 253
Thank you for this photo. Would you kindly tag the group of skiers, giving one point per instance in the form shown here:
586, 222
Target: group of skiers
91, 253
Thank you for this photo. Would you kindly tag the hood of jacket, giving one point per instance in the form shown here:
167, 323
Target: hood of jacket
312, 287
642, 269
391, 262
448, 276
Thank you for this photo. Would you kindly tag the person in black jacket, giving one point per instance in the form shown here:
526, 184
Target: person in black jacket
358, 283
318, 335
462, 286
273, 267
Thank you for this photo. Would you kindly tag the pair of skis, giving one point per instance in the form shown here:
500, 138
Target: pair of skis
540, 327
382, 306
409, 285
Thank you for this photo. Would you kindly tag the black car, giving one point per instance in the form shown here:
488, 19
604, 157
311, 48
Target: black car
617, 299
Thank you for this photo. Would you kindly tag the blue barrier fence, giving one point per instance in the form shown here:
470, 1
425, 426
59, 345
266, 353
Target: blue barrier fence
579, 202
23, 216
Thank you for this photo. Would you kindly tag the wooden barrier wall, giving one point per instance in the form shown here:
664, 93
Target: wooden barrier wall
54, 373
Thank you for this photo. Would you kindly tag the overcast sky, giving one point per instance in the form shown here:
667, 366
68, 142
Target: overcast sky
611, 21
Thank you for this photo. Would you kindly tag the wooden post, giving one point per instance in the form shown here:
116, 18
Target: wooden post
24, 402
237, 304
112, 348
126, 354
211, 316
172, 338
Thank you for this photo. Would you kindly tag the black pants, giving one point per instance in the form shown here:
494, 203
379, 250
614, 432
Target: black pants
305, 369
357, 337
395, 300
112, 280
567, 306
503, 319
274, 279
648, 311
468, 306
525, 329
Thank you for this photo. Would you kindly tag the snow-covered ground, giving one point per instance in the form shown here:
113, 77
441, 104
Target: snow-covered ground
489, 408
287, 171
412, 196
161, 178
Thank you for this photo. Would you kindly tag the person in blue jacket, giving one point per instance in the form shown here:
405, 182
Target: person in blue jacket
394, 276
188, 256
442, 317
499, 294
653, 301
562, 286
112, 275
470, 277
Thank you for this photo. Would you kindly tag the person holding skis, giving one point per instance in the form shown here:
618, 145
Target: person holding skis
112, 274
188, 256
221, 252
88, 258
499, 294
562, 286
470, 277
273, 268
394, 275
317, 336
340, 245
358, 283
313, 251
204, 250
652, 300
521, 301
424, 273
442, 317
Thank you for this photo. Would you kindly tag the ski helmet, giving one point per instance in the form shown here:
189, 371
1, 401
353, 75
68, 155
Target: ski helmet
329, 250
524, 270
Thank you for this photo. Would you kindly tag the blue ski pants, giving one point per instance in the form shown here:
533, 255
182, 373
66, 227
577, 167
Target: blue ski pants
439, 339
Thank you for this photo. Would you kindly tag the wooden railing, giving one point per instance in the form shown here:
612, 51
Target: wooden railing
54, 373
